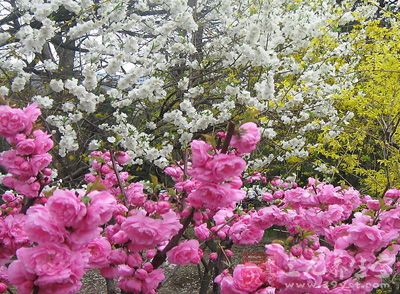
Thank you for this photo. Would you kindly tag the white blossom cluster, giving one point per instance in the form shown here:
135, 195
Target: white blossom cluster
158, 73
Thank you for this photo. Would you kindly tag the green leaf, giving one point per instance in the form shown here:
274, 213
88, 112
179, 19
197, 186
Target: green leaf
86, 199
210, 139
171, 192
95, 186
154, 180
49, 192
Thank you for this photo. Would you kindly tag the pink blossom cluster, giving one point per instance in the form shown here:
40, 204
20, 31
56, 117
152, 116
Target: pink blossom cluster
61, 232
215, 178
141, 227
28, 159
137, 237
12, 236
247, 138
335, 240
360, 248
102, 170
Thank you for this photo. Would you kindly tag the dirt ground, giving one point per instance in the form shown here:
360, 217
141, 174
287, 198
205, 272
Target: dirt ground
183, 280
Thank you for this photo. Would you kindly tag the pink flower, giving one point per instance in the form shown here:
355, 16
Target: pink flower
202, 232
12, 121
278, 254
120, 237
213, 256
163, 207
20, 277
14, 227
26, 147
130, 284
220, 168
83, 234
222, 215
373, 204
32, 113
54, 268
365, 237
43, 142
185, 253
227, 285
101, 208
135, 194
244, 232
152, 281
248, 277
390, 220
144, 232
268, 216
267, 196
122, 157
134, 260
200, 154
170, 224
118, 256
175, 172
247, 139
146, 283
16, 165
3, 288
300, 197
66, 208
335, 235
340, 265
215, 196
392, 193
124, 270
22, 187
39, 162
41, 227
99, 250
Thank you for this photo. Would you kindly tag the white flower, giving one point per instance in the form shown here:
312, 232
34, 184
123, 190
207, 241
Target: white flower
4, 91
43, 101
56, 85
111, 139
94, 145
18, 83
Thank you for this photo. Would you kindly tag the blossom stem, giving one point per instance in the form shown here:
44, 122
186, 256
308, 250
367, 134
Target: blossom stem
114, 165
229, 134
29, 202
161, 256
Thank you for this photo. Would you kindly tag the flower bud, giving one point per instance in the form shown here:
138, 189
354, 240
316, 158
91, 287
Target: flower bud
3, 288
296, 250
134, 260
148, 267
141, 274
308, 253
213, 256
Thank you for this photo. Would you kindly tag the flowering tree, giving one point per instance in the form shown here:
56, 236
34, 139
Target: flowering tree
99, 69
207, 93
338, 241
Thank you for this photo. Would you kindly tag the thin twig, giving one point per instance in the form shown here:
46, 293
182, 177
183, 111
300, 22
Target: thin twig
118, 178
229, 134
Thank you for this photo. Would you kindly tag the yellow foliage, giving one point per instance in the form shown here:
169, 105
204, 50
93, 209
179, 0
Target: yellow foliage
368, 149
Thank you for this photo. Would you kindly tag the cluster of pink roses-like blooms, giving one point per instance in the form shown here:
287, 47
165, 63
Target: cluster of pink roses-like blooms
359, 247
336, 240
52, 239
29, 157
62, 233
